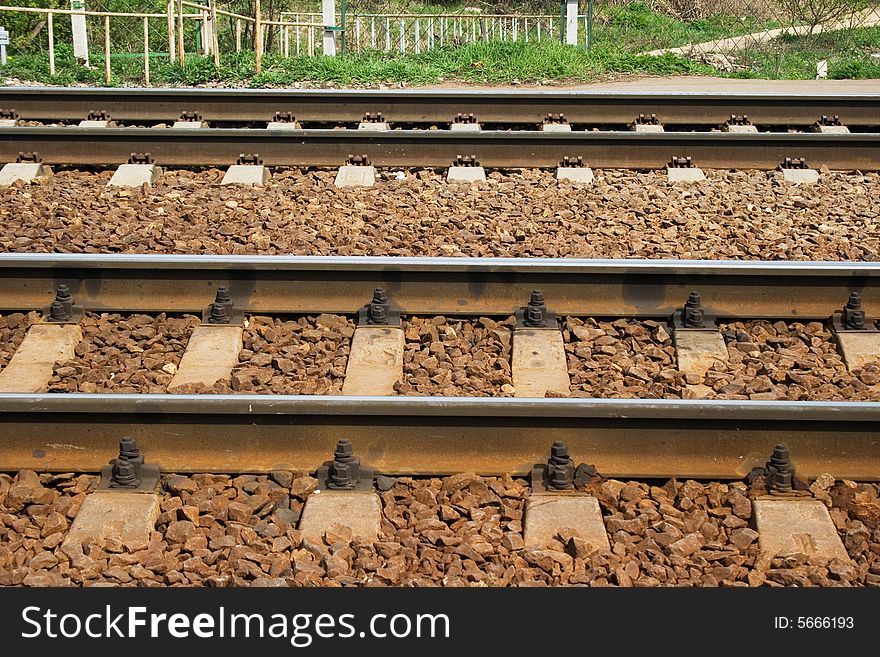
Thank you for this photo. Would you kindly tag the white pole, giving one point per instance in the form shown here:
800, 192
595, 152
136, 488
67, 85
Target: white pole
571, 22
402, 36
207, 38
80, 36
329, 10
258, 37
215, 44
418, 37
181, 55
373, 32
146, 51
51, 44
171, 53
107, 48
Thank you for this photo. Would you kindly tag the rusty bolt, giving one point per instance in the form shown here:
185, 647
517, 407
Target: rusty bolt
343, 466
854, 312
781, 470
694, 312
560, 468
61, 309
220, 308
379, 307
536, 310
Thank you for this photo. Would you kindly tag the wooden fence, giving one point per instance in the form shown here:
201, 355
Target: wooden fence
299, 33
178, 11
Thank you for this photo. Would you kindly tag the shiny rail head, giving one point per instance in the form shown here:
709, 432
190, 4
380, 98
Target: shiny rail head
551, 407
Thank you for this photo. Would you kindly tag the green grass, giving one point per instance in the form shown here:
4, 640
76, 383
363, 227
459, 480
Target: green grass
497, 62
849, 55
635, 27
616, 38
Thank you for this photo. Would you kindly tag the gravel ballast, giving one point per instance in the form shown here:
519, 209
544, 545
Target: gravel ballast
624, 358
792, 361
13, 327
124, 354
462, 530
745, 215
456, 358
302, 356
766, 361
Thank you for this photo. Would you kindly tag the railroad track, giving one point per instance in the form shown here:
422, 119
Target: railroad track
597, 126
436, 435
410, 148
419, 106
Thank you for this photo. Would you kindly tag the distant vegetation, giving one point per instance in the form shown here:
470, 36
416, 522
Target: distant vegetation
620, 32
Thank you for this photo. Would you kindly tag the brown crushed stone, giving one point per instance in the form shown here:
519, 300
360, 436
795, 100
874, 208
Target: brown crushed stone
743, 215
35, 514
625, 358
456, 357
124, 354
779, 360
462, 530
13, 328
788, 360
303, 356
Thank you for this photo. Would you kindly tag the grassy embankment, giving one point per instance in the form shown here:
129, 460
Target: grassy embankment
619, 36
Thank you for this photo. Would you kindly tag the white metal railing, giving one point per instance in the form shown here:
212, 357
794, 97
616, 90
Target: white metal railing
417, 33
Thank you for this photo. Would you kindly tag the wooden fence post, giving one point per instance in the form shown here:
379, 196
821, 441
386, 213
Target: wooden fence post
51, 44
180, 53
146, 51
237, 35
215, 44
258, 37
171, 53
107, 49
207, 39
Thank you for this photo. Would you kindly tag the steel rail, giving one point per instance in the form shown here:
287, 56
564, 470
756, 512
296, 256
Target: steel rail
438, 148
440, 106
399, 435
449, 286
